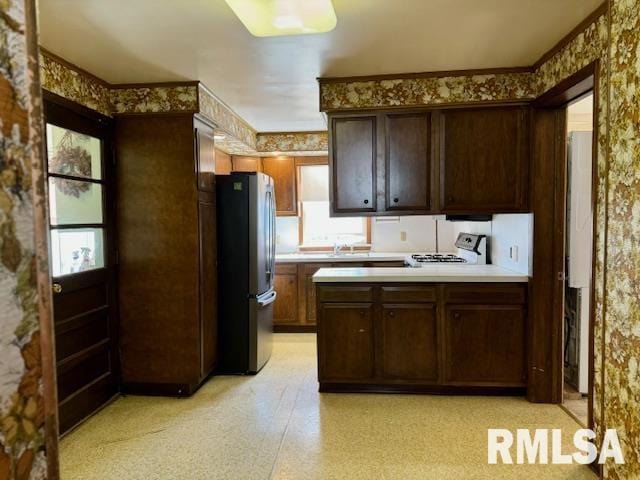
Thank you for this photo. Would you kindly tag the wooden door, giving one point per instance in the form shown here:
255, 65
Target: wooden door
346, 338
82, 251
246, 164
410, 341
484, 160
285, 308
352, 163
485, 345
408, 162
283, 172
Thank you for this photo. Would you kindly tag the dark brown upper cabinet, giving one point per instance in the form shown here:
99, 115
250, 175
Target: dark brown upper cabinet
205, 156
408, 166
353, 164
484, 158
283, 172
430, 161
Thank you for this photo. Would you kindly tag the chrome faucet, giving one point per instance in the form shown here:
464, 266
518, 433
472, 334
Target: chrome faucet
337, 249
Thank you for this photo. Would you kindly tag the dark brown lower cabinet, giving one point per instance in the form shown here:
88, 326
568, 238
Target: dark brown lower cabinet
485, 344
348, 343
414, 338
410, 341
295, 307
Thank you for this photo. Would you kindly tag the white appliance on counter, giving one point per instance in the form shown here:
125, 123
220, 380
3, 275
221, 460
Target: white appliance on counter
472, 250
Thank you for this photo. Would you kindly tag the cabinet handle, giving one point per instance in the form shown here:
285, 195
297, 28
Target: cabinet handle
362, 330
450, 199
366, 201
392, 313
57, 288
362, 313
395, 200
456, 316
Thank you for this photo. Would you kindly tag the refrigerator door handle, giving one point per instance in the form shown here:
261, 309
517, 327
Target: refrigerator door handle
273, 236
268, 246
267, 299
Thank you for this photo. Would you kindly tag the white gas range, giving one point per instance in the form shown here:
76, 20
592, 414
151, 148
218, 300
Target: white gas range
472, 250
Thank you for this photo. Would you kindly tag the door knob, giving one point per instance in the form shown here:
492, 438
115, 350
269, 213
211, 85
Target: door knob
57, 288
395, 200
366, 201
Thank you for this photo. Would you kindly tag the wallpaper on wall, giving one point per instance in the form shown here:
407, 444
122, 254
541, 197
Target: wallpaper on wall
165, 99
23, 437
73, 85
293, 142
622, 321
214, 109
420, 91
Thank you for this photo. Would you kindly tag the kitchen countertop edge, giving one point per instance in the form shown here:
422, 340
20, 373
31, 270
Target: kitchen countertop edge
437, 274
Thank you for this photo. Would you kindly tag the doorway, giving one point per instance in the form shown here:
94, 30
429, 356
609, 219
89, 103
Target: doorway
82, 258
578, 257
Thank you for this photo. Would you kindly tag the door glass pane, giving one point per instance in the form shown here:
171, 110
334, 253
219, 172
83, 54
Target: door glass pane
74, 201
76, 250
72, 153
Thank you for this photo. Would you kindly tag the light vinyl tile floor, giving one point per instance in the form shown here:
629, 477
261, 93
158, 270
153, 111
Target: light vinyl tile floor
276, 425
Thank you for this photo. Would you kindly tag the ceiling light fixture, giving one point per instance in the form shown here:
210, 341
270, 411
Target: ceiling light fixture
270, 18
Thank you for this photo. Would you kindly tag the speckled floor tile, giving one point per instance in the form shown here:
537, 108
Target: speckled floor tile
276, 425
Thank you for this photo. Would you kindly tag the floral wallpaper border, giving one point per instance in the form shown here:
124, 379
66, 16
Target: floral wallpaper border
240, 138
423, 91
28, 438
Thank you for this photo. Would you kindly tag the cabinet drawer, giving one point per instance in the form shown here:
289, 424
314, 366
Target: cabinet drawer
416, 293
486, 294
286, 269
342, 293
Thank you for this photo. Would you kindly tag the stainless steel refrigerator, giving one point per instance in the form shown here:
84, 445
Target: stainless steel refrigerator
246, 262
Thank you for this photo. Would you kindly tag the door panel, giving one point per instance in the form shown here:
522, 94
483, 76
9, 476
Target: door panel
283, 172
408, 161
206, 157
485, 344
82, 253
208, 284
484, 159
346, 333
410, 341
353, 164
261, 230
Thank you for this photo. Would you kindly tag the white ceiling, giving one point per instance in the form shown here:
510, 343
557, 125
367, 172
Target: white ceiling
271, 82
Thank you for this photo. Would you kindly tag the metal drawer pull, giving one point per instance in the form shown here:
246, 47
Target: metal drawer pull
57, 288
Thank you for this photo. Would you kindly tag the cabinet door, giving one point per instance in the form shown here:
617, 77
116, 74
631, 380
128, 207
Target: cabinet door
485, 345
246, 164
206, 157
346, 341
352, 162
408, 162
223, 163
283, 172
484, 160
208, 284
307, 292
285, 308
410, 342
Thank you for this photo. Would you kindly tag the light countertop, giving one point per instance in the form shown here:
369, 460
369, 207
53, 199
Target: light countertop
431, 273
346, 257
